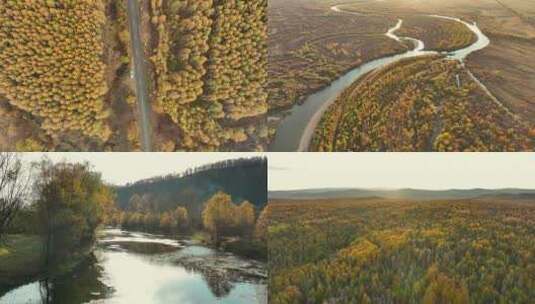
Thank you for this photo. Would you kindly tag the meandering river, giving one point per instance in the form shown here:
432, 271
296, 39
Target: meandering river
129, 267
295, 130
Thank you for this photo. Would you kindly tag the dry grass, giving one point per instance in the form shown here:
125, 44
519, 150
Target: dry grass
310, 46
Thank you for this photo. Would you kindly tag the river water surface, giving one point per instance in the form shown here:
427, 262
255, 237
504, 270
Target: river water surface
131, 267
296, 128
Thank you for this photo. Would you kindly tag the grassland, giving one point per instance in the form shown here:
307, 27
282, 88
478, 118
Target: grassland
310, 46
507, 69
393, 251
505, 66
437, 34
418, 105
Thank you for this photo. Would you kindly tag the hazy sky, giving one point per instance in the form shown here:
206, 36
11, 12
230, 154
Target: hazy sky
120, 168
332, 170
401, 170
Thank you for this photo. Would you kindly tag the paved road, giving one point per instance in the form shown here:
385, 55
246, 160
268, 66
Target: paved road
140, 70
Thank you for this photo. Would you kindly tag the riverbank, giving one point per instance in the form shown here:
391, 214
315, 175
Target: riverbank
138, 267
424, 98
243, 247
295, 131
20, 260
303, 62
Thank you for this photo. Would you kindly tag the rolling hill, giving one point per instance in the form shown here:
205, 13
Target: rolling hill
406, 193
243, 179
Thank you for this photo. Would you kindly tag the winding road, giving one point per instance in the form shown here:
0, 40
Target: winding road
296, 130
140, 74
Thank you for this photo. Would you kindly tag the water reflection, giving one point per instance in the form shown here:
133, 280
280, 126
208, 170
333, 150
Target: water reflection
130, 271
217, 281
83, 285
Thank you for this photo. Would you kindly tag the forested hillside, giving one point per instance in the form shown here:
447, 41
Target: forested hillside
210, 61
242, 179
397, 251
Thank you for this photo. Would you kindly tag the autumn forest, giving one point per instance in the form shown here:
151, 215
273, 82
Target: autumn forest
61, 219
126, 75
374, 250
401, 75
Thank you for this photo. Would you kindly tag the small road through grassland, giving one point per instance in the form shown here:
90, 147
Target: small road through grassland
140, 74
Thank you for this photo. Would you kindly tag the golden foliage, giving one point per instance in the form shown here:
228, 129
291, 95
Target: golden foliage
437, 34
262, 224
373, 250
415, 105
51, 63
210, 65
222, 217
442, 289
361, 250
237, 65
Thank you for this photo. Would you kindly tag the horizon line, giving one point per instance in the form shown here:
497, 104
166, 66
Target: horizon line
398, 189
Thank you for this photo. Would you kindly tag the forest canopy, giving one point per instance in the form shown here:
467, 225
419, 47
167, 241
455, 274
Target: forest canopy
51, 64
211, 68
426, 103
373, 250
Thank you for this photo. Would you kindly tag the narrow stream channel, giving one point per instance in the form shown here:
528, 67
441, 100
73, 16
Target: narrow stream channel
295, 131
132, 267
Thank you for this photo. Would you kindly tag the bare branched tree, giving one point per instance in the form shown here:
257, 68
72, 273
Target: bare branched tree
14, 188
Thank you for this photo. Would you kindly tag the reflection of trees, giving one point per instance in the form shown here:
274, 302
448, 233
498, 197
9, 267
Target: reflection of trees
46, 292
145, 248
82, 285
219, 281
